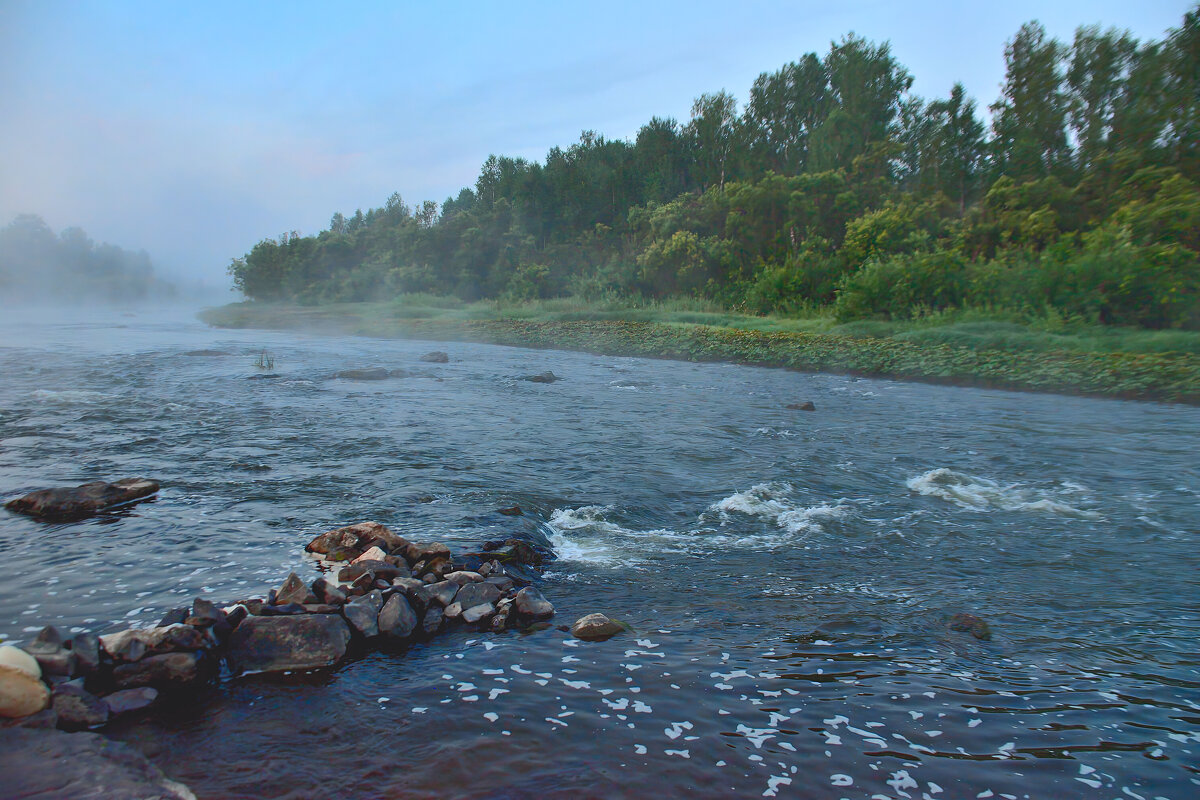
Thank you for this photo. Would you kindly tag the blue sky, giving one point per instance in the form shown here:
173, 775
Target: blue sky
194, 130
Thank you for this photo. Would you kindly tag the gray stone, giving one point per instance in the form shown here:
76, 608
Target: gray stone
77, 708
397, 619
530, 604
127, 701
275, 644
478, 613
165, 671
432, 623
595, 627
443, 591
362, 613
453, 611
47, 765
82, 501
293, 590
86, 647
462, 577
474, 594
501, 582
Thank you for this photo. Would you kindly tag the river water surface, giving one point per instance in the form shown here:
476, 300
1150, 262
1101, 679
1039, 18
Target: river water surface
788, 575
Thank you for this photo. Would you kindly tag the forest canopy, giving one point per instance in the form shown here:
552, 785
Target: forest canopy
832, 187
36, 264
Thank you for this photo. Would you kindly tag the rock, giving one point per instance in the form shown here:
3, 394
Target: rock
353, 540
373, 554
595, 627
432, 621
326, 592
77, 708
53, 658
126, 646
531, 605
45, 764
174, 617
82, 501
126, 701
436, 357
362, 613
275, 644
285, 610
969, 623
443, 591
512, 511
21, 692
805, 406
399, 373
415, 553
479, 613
376, 569
513, 551
407, 584
474, 594
374, 374
235, 614
205, 613
397, 619
544, 377
86, 647
499, 622
165, 671
293, 590
321, 608
501, 582
45, 719
462, 577
453, 611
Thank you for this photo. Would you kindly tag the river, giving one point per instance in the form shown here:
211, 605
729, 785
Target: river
788, 575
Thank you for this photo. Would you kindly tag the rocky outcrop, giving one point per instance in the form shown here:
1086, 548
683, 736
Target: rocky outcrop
350, 542
82, 501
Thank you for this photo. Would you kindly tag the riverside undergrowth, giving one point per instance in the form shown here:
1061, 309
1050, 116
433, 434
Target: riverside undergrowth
1166, 376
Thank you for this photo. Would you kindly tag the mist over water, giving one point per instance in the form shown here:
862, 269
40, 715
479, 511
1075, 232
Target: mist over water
788, 575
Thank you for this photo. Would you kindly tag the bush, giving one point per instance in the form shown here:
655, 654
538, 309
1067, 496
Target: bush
903, 286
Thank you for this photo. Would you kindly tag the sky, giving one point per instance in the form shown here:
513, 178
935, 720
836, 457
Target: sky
193, 130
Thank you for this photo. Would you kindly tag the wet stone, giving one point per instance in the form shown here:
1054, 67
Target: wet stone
511, 511
595, 627
362, 614
169, 670
807, 405
478, 613
173, 617
205, 614
275, 644
78, 709
530, 604
285, 610
293, 590
86, 647
474, 594
969, 623
501, 582
443, 592
82, 501
127, 701
463, 577
432, 621
397, 619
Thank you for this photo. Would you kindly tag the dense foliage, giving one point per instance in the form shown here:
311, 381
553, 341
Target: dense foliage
36, 264
832, 186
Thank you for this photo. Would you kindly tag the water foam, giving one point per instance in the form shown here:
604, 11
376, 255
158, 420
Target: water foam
584, 535
983, 494
770, 502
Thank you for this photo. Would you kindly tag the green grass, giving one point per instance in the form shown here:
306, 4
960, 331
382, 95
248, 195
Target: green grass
971, 347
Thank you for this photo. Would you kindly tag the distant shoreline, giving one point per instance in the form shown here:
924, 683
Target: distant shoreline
1165, 377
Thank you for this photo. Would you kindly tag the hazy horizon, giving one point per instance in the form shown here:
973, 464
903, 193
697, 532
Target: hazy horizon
193, 134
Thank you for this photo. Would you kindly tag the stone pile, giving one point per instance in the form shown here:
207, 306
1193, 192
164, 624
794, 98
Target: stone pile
378, 589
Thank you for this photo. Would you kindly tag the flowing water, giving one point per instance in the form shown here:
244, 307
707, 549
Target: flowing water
788, 575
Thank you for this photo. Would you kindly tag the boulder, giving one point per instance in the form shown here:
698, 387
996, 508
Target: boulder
275, 644
969, 623
132, 645
443, 591
82, 501
374, 553
805, 406
77, 708
531, 605
501, 582
397, 619
126, 701
164, 671
46, 764
352, 540
328, 593
543, 377
54, 659
432, 622
436, 357
414, 552
362, 613
513, 551
21, 692
474, 594
293, 590
205, 614
479, 613
373, 374
595, 627
463, 576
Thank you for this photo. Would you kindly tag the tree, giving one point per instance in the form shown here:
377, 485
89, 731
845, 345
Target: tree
711, 133
1029, 121
1098, 71
785, 108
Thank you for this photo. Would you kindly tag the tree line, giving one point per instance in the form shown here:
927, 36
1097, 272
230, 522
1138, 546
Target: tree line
36, 263
831, 186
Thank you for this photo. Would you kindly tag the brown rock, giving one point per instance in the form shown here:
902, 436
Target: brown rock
82, 501
595, 627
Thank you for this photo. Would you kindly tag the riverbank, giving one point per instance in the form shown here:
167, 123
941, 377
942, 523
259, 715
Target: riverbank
1164, 376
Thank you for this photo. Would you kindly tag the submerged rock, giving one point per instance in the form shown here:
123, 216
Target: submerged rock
511, 511
436, 357
595, 627
375, 374
83, 500
805, 406
46, 764
969, 623
543, 377
275, 644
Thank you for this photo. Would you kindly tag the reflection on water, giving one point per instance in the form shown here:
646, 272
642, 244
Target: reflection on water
788, 575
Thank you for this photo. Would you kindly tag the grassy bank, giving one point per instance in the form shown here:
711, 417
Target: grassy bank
1038, 355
